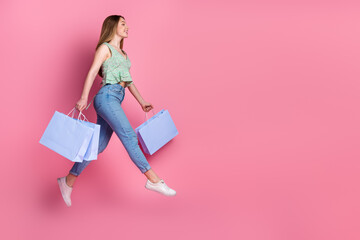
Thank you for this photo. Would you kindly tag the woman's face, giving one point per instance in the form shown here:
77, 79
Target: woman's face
122, 29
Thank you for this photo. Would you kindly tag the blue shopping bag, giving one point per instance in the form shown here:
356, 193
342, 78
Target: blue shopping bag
156, 131
92, 151
67, 136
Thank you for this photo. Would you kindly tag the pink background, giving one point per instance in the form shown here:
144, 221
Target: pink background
265, 95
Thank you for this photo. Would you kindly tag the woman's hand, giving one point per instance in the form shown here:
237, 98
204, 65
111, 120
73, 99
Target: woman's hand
81, 104
146, 106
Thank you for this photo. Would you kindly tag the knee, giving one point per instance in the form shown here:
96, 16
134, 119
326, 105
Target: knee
135, 139
102, 146
132, 138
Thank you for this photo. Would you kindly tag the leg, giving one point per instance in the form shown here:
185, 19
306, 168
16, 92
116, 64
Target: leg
104, 138
152, 176
113, 113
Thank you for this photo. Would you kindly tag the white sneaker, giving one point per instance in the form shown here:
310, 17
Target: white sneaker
160, 187
65, 190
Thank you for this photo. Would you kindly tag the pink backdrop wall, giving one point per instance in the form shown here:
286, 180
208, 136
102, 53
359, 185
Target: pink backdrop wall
265, 95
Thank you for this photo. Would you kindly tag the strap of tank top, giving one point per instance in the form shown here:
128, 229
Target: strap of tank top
111, 47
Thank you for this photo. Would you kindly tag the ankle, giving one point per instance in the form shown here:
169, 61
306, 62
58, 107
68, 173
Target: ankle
154, 180
67, 182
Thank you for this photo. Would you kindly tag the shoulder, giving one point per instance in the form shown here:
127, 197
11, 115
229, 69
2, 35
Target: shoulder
103, 48
103, 52
104, 45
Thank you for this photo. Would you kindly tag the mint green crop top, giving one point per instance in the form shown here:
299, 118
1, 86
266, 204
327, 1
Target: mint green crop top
116, 68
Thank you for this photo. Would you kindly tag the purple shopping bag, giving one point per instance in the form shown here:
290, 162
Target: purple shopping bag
67, 136
156, 131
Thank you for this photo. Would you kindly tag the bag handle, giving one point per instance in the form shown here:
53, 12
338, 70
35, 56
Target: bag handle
84, 117
90, 102
80, 114
146, 117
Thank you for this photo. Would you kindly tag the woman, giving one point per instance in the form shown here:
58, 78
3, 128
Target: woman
113, 64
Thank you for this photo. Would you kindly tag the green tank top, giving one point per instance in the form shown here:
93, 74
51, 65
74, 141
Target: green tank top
116, 68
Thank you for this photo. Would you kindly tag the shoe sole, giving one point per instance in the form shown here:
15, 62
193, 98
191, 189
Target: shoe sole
62, 194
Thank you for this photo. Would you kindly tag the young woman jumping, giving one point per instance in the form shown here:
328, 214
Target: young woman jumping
113, 64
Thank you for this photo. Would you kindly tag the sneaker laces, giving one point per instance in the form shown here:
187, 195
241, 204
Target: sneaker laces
164, 184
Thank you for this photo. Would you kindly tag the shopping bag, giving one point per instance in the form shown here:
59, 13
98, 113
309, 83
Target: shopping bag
92, 151
67, 136
155, 132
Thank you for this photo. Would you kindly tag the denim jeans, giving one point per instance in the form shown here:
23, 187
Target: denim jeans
111, 117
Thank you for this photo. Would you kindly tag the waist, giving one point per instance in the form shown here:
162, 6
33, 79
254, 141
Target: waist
120, 83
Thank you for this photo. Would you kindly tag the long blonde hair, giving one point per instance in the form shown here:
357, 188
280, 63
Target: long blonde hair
108, 31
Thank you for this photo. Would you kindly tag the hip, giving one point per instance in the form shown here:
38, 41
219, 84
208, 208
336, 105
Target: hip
109, 94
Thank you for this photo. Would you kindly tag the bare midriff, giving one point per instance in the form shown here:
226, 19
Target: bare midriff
122, 84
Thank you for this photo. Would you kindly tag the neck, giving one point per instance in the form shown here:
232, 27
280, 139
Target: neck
116, 42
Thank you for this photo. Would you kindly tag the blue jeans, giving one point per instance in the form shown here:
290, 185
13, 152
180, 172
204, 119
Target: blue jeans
111, 117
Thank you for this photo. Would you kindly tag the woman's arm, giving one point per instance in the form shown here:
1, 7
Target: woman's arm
134, 91
101, 54
146, 106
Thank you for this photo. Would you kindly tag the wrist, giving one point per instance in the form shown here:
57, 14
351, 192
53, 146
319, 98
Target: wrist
84, 98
